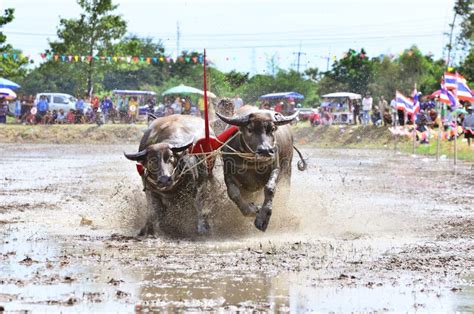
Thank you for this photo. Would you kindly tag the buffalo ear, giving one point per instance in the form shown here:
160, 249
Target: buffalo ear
176, 148
140, 156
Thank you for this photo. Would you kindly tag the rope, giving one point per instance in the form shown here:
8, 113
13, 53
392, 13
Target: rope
249, 156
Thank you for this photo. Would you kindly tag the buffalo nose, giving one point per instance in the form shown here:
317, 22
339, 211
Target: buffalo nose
164, 179
265, 151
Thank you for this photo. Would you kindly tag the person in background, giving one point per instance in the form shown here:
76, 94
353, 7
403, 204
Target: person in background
3, 111
393, 110
70, 116
177, 106
132, 109
376, 116
79, 113
387, 117
421, 123
124, 117
61, 117
95, 103
43, 107
279, 107
187, 107
238, 102
367, 103
468, 124
435, 119
48, 118
356, 112
106, 106
382, 104
18, 110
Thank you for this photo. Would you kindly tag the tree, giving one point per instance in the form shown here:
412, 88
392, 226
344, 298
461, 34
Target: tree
6, 18
353, 72
91, 34
464, 10
13, 63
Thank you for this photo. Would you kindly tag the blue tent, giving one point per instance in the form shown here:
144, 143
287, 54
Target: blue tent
286, 95
4, 83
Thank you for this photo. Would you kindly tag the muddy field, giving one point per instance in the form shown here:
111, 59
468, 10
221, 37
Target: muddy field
364, 230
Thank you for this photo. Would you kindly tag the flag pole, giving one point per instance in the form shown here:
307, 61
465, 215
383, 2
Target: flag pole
438, 140
206, 114
455, 142
414, 127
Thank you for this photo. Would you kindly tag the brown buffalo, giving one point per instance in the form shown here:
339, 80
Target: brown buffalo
175, 182
265, 142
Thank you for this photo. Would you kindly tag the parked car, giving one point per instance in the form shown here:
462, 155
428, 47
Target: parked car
58, 101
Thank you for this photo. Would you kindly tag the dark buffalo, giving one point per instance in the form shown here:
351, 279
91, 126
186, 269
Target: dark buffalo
175, 182
265, 144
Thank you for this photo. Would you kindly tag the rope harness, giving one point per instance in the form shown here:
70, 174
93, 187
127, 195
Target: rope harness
249, 156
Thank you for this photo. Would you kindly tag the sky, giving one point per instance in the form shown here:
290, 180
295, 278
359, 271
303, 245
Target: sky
244, 35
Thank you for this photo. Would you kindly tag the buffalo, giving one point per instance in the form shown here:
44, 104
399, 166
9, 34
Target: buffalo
258, 158
175, 182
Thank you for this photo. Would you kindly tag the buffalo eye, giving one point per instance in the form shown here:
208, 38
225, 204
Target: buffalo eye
271, 128
249, 129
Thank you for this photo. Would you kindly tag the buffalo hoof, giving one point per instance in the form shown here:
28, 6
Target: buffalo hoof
262, 220
203, 226
147, 230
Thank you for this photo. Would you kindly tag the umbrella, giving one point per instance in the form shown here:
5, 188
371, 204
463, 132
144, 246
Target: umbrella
186, 90
343, 95
4, 83
7, 93
286, 95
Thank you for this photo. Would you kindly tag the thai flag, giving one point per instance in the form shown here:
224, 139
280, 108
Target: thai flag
448, 97
405, 103
463, 90
450, 80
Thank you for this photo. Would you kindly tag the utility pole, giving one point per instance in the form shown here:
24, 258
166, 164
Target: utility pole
298, 58
327, 59
178, 34
254, 64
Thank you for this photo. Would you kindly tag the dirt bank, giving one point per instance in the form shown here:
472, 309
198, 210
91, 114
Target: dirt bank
370, 231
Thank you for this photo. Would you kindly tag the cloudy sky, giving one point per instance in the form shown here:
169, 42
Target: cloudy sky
245, 34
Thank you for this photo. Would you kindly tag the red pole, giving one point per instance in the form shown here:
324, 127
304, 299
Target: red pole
206, 116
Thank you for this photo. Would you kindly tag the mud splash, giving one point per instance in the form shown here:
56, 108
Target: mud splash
364, 231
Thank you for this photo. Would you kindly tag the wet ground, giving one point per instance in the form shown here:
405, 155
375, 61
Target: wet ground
364, 230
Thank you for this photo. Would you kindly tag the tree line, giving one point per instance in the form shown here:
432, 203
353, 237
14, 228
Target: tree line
100, 32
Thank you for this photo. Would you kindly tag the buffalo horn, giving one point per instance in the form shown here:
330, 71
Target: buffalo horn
137, 156
280, 119
176, 149
238, 121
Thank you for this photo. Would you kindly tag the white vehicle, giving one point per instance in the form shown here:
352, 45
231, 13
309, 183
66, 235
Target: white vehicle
58, 101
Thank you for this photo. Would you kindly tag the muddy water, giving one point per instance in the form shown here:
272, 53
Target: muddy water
363, 231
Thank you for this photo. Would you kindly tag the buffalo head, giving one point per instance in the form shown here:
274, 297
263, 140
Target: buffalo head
258, 130
160, 160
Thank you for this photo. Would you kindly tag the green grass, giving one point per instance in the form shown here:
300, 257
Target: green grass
446, 148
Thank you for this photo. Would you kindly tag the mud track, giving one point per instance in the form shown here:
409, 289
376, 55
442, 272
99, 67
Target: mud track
365, 230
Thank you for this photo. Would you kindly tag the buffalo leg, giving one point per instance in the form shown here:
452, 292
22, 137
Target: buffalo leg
156, 211
263, 215
201, 208
246, 208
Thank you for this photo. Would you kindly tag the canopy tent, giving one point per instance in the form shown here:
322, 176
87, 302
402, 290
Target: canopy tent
343, 95
186, 90
4, 83
132, 92
285, 95
7, 93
